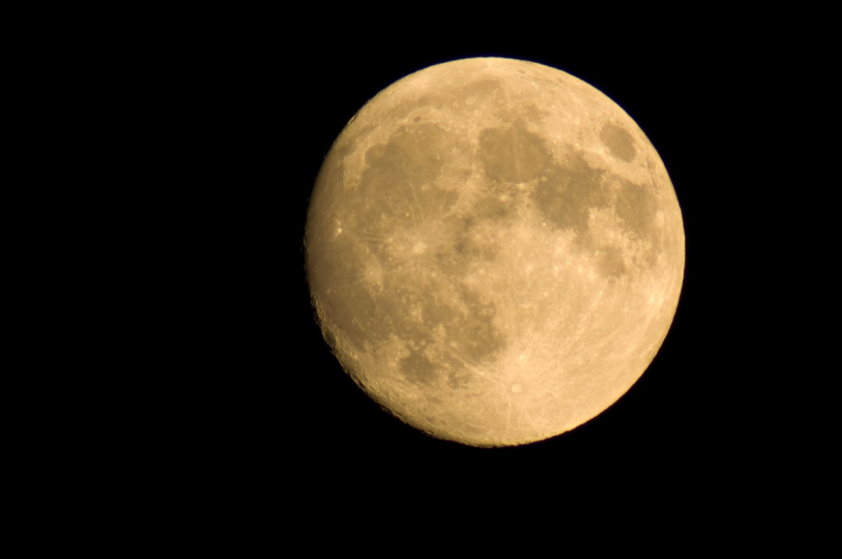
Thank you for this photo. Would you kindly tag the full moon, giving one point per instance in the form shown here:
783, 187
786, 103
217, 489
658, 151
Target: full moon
494, 251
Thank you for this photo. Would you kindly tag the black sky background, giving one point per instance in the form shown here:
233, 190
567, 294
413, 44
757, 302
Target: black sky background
193, 394
272, 398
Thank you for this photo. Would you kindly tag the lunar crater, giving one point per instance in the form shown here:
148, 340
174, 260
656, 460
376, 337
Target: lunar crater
618, 141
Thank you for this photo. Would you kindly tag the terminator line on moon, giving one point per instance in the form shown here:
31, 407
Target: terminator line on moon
494, 251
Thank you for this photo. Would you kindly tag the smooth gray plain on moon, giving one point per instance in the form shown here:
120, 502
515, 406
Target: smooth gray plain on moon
494, 250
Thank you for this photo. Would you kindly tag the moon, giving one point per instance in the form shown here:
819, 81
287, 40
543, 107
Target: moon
494, 251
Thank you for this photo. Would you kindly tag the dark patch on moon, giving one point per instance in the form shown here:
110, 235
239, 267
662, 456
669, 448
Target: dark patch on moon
610, 262
417, 368
618, 141
492, 207
401, 304
473, 242
397, 188
482, 90
338, 287
412, 157
474, 332
354, 311
353, 277
471, 249
409, 312
403, 109
567, 192
636, 207
535, 114
512, 154
458, 378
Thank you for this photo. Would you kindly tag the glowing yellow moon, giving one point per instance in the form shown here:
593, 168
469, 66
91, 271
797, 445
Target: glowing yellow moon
494, 250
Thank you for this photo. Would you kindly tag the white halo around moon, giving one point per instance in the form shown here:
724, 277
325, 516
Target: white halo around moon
494, 250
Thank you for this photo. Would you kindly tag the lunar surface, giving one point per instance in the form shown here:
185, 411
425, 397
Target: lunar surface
494, 251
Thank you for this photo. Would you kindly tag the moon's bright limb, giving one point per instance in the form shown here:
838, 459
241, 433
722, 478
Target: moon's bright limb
495, 251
